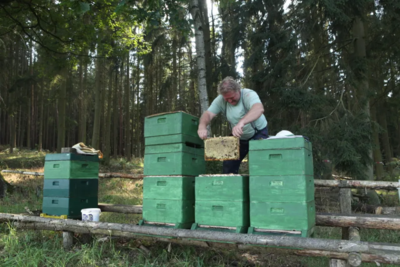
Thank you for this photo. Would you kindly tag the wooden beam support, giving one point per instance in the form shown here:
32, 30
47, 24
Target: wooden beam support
101, 175
332, 220
126, 209
359, 220
317, 182
357, 184
128, 230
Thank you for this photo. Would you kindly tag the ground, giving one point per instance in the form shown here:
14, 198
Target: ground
44, 248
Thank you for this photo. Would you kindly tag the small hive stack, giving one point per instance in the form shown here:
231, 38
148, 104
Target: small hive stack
70, 184
174, 155
281, 186
222, 203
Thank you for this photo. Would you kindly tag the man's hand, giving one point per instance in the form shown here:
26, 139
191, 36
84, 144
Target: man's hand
238, 129
204, 121
202, 132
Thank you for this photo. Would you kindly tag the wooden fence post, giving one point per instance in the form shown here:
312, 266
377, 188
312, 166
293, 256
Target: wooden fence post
345, 208
68, 240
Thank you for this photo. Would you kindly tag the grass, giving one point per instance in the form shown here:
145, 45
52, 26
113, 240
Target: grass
44, 248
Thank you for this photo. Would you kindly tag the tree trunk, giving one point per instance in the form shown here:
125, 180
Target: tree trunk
82, 101
200, 51
378, 162
115, 112
97, 105
41, 119
362, 83
127, 116
5, 187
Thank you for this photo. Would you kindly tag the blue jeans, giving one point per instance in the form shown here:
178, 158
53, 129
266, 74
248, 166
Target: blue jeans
232, 166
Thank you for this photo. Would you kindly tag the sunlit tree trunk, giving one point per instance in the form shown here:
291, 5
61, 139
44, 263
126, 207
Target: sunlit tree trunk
200, 55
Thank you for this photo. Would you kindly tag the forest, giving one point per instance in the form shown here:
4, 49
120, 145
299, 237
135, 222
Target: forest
91, 71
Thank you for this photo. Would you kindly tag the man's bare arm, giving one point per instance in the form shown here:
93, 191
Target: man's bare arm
204, 121
254, 113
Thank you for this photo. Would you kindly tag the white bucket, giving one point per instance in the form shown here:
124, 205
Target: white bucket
92, 215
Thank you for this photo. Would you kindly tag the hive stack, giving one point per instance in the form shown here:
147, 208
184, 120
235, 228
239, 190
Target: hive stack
281, 186
174, 155
222, 203
70, 184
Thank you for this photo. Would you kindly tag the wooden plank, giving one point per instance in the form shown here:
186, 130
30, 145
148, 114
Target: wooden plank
322, 219
130, 230
126, 209
359, 220
357, 184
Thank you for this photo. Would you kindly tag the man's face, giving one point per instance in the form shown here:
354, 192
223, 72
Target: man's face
232, 97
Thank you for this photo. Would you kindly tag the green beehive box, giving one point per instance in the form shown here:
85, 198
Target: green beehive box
281, 156
70, 188
177, 147
222, 213
288, 216
222, 187
169, 187
173, 138
169, 211
291, 188
64, 169
178, 163
170, 123
71, 207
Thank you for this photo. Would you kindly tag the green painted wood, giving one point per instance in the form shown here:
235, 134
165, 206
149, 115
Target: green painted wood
222, 213
222, 188
291, 188
170, 187
178, 163
71, 156
280, 143
282, 215
168, 211
178, 147
71, 170
173, 138
71, 207
297, 161
70, 188
171, 123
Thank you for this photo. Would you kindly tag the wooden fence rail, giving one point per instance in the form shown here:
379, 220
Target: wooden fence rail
322, 219
391, 252
317, 183
350, 249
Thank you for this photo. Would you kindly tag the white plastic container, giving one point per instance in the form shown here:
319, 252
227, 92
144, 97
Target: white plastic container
91, 215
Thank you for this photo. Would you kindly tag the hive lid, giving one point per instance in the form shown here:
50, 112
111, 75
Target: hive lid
71, 156
287, 142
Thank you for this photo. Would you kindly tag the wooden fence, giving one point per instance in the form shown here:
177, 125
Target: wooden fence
349, 250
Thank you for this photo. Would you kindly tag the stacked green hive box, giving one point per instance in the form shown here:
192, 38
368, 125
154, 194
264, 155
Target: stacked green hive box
172, 146
281, 186
222, 202
169, 200
174, 155
70, 184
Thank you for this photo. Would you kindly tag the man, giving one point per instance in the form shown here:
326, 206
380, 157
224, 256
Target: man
245, 113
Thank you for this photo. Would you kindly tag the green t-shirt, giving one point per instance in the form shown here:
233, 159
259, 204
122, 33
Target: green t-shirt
236, 113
